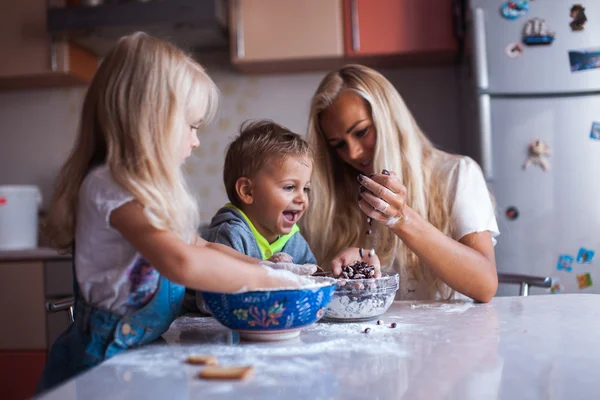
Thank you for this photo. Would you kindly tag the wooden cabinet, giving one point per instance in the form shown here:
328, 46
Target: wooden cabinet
274, 31
30, 59
398, 27
20, 371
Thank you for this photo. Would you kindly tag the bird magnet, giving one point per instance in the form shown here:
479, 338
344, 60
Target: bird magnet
584, 281
537, 154
514, 9
536, 33
585, 256
565, 263
579, 18
513, 50
595, 132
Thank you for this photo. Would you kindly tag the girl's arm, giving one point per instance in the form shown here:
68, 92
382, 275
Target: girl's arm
225, 249
467, 266
197, 267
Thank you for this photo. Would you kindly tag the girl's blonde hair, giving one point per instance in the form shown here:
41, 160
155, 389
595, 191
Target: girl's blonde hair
134, 118
428, 174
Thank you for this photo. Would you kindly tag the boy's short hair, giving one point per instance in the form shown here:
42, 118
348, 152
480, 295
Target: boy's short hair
259, 142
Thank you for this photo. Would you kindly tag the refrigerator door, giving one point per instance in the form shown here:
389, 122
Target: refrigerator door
558, 210
540, 68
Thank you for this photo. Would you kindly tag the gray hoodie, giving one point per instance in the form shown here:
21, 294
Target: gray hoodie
230, 227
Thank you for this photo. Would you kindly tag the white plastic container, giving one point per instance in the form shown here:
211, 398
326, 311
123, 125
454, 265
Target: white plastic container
19, 205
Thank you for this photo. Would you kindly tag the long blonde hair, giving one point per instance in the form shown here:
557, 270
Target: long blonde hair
133, 120
334, 221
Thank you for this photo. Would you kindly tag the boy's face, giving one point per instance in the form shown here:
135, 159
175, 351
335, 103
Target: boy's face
280, 196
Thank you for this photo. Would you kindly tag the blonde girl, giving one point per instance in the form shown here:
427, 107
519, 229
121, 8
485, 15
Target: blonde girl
122, 206
433, 218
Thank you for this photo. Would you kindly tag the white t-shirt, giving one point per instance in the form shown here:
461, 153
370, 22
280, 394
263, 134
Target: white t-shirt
472, 212
111, 273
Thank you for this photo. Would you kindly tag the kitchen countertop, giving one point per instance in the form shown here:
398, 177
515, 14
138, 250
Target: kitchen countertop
40, 253
535, 347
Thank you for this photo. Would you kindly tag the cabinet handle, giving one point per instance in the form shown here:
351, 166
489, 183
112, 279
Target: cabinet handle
354, 25
53, 57
485, 129
239, 30
479, 44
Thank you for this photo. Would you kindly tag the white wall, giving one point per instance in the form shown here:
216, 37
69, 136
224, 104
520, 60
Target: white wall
37, 128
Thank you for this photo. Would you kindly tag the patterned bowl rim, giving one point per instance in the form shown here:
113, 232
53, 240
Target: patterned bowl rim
331, 283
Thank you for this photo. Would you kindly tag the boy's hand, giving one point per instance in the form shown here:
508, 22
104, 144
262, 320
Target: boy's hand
306, 269
281, 257
353, 254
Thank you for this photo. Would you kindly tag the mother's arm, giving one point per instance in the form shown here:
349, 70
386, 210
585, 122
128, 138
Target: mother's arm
467, 266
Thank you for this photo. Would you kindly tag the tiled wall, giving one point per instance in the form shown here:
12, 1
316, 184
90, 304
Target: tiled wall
37, 128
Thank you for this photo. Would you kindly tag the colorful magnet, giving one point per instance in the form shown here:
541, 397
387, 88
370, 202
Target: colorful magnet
514, 9
585, 256
595, 132
513, 50
583, 59
512, 213
556, 287
579, 18
538, 153
584, 281
536, 33
565, 263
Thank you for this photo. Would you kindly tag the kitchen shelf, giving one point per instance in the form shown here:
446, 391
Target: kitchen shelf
195, 25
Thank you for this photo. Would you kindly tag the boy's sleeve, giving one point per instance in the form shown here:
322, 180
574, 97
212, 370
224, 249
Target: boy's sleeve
227, 234
298, 248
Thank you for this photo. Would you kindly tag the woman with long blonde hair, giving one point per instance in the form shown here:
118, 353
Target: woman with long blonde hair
434, 219
121, 205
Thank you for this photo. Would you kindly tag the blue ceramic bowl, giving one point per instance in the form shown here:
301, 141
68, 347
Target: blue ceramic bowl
271, 315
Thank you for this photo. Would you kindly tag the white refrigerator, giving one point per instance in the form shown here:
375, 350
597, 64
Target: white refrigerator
537, 74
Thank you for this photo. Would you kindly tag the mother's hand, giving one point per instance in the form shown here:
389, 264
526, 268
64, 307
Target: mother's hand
353, 254
383, 198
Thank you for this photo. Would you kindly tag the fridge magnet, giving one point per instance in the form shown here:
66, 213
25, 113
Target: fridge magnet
556, 287
565, 263
595, 132
583, 59
536, 33
579, 18
514, 9
585, 256
512, 213
584, 280
538, 153
513, 50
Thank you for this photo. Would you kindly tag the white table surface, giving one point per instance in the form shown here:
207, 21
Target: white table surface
536, 347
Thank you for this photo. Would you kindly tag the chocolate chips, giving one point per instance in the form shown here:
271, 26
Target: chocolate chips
358, 270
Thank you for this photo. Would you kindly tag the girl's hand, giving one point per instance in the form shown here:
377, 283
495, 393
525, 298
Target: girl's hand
353, 254
383, 198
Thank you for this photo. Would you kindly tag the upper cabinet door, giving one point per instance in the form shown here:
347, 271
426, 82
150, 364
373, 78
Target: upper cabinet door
379, 27
29, 57
278, 30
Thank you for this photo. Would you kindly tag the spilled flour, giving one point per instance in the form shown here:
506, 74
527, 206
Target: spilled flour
453, 307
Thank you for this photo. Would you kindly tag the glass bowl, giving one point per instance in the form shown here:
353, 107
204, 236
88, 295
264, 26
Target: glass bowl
357, 300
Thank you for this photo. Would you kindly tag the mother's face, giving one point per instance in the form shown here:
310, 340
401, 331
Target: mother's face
349, 129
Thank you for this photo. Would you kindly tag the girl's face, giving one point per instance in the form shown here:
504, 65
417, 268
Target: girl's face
189, 139
349, 130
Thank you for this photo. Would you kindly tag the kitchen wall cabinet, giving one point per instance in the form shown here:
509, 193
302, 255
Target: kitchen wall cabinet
299, 34
398, 28
30, 59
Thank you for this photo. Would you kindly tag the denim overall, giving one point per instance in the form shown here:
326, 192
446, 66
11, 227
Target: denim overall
98, 334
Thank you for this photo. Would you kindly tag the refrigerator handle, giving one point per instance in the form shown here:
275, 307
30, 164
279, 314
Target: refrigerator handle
485, 129
481, 67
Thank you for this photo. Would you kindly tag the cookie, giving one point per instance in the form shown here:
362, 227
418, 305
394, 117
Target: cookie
198, 359
220, 372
